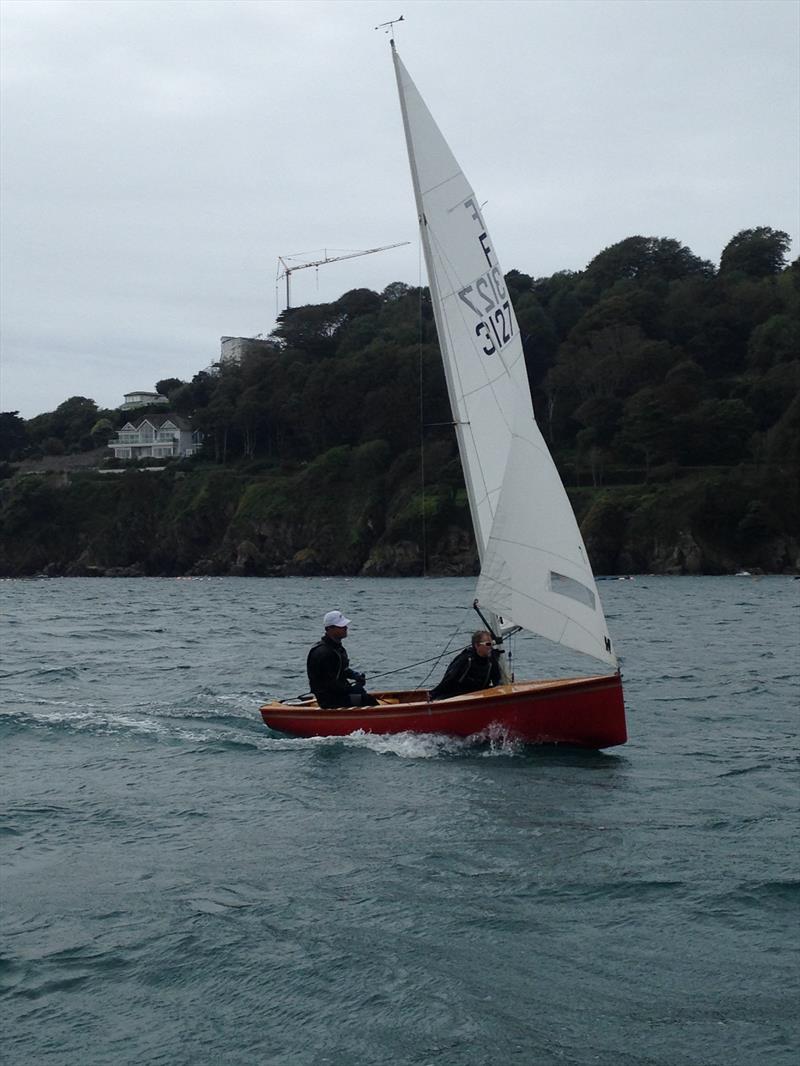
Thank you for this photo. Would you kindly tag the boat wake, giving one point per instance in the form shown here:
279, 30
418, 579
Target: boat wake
434, 745
223, 727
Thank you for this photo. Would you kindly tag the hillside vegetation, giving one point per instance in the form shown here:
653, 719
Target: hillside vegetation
668, 391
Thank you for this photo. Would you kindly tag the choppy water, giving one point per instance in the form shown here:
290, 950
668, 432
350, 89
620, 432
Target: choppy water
180, 886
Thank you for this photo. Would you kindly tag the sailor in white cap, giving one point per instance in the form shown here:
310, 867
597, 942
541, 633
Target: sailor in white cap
329, 675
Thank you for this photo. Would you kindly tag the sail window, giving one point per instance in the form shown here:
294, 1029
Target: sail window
568, 586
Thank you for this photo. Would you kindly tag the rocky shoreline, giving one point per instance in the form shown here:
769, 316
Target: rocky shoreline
687, 558
222, 522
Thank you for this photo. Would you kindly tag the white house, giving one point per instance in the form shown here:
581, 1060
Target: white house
142, 399
234, 349
160, 436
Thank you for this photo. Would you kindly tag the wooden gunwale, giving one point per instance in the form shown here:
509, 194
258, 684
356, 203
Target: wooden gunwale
395, 702
587, 711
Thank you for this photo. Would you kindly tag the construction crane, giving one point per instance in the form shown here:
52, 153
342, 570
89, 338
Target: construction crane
288, 270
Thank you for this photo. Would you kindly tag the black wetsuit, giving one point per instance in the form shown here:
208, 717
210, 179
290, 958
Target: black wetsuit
329, 677
468, 672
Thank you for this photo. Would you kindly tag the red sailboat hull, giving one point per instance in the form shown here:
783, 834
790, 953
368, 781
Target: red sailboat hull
586, 712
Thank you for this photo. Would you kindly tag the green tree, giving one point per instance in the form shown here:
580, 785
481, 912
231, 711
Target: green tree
742, 304
783, 440
312, 328
102, 432
686, 306
194, 396
539, 336
769, 394
684, 386
217, 420
358, 302
601, 417
717, 431
395, 291
638, 258
565, 296
70, 423
775, 341
649, 428
518, 284
13, 435
167, 386
759, 252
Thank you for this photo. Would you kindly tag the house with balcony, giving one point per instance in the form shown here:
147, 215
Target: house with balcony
142, 399
167, 436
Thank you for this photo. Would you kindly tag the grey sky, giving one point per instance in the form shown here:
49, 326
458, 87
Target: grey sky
158, 156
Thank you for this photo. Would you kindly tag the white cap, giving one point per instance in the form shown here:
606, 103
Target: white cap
335, 618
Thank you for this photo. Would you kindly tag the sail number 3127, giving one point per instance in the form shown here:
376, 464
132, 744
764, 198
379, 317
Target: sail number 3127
486, 297
495, 326
496, 329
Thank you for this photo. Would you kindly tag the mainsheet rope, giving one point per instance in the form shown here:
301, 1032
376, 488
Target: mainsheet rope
410, 666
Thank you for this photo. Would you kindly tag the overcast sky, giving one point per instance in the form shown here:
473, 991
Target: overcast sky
159, 155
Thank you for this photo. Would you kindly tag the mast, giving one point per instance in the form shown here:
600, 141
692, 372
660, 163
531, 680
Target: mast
493, 620
535, 571
436, 302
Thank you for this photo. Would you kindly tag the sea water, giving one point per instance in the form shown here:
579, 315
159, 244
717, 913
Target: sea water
182, 886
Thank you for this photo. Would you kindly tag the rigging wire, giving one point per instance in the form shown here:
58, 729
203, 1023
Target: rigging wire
445, 650
421, 411
397, 670
410, 666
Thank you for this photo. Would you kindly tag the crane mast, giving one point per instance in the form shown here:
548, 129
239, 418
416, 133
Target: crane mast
288, 269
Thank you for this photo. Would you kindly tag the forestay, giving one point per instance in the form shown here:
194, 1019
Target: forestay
534, 568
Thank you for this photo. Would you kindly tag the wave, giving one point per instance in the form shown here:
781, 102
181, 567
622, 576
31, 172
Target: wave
743, 770
780, 896
215, 730
237, 729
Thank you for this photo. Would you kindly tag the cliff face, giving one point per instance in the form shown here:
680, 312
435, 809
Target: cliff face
717, 523
351, 513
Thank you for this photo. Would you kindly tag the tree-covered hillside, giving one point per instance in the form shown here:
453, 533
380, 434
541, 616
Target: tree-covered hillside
668, 391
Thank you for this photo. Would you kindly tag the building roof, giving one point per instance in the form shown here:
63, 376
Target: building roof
157, 421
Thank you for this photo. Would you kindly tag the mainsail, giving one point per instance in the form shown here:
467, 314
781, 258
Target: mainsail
535, 571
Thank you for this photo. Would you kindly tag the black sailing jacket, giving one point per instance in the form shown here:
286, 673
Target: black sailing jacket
327, 667
468, 672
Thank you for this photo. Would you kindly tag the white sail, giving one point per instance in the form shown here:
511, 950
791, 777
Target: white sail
534, 569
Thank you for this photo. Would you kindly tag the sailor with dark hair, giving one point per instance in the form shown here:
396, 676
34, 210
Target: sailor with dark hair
329, 675
474, 668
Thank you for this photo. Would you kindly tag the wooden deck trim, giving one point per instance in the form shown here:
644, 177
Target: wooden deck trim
454, 704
